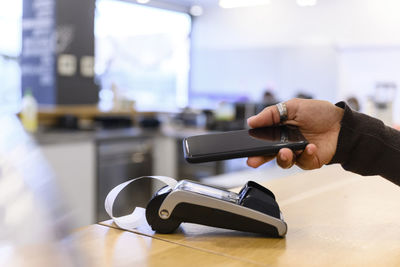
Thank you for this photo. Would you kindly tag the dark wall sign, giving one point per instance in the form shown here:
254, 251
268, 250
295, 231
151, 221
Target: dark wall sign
57, 57
38, 49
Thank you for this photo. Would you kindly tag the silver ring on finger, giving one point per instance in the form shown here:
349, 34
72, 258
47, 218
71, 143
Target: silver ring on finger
282, 109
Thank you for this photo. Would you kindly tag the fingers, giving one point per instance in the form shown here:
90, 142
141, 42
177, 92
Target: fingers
286, 158
256, 162
309, 160
269, 116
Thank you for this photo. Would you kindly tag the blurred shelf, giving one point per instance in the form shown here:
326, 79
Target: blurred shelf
49, 114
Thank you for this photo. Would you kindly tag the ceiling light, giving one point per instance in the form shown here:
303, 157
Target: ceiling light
306, 2
242, 3
142, 1
196, 10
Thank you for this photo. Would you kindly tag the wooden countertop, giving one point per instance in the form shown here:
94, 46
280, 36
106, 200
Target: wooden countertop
48, 114
85, 111
335, 218
107, 246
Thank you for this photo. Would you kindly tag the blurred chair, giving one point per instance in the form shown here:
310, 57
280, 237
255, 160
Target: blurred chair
268, 99
303, 95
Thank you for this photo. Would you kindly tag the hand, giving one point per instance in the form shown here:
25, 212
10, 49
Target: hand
319, 122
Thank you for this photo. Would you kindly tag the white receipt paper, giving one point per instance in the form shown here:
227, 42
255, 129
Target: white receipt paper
137, 217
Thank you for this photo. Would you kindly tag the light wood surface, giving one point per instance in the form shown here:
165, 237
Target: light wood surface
86, 111
335, 218
105, 246
48, 114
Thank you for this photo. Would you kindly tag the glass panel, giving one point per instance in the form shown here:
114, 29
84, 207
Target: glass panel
142, 54
10, 48
208, 191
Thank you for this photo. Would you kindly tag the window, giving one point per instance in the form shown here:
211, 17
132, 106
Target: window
10, 49
142, 53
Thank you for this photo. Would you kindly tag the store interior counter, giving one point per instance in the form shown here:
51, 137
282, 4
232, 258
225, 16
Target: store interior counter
334, 217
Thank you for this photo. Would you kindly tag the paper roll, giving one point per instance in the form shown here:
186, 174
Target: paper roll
137, 217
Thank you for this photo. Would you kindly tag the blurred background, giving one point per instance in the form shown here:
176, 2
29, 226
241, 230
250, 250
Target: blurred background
106, 89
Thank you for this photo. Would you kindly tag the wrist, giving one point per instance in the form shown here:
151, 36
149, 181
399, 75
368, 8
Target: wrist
342, 111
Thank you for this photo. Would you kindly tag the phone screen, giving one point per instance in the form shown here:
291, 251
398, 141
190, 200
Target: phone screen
242, 143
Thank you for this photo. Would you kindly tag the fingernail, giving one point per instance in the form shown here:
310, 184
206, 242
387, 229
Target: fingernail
309, 151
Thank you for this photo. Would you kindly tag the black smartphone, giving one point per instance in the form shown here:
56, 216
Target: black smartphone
243, 143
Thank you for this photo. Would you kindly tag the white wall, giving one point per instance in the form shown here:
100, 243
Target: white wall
248, 72
291, 47
330, 22
361, 68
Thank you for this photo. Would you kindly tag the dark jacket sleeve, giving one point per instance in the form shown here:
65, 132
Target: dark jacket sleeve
367, 147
